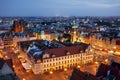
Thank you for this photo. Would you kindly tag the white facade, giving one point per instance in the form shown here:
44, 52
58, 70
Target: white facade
56, 63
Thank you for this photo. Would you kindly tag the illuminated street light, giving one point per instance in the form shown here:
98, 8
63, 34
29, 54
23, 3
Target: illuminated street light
23, 79
6, 57
78, 66
96, 63
13, 66
51, 72
65, 69
106, 61
114, 47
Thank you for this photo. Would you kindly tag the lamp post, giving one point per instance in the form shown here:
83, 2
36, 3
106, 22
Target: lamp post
65, 69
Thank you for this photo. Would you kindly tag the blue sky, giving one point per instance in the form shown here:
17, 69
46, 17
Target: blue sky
59, 7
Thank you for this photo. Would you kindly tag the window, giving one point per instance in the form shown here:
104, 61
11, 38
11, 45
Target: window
65, 57
53, 59
44, 65
44, 61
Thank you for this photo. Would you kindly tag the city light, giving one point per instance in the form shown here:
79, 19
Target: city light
114, 47
13, 66
91, 50
23, 79
106, 60
65, 69
96, 63
78, 66
51, 72
6, 57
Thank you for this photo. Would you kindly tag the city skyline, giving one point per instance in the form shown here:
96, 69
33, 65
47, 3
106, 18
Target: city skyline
59, 8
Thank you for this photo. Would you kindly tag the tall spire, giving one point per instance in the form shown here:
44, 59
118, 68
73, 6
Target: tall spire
73, 31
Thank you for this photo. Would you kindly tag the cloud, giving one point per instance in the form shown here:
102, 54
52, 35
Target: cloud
102, 5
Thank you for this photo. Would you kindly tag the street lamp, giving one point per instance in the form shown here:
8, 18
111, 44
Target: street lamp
51, 72
65, 69
96, 63
13, 66
78, 66
23, 79
106, 61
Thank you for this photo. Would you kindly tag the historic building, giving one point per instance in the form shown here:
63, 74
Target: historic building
7, 40
45, 35
48, 58
73, 33
18, 26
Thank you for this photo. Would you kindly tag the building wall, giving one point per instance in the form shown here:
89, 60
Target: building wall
62, 62
8, 42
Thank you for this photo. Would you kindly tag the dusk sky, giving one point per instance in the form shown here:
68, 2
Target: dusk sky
59, 7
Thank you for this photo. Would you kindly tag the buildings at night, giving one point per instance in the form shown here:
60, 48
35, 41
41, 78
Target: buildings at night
104, 72
43, 59
51, 44
18, 26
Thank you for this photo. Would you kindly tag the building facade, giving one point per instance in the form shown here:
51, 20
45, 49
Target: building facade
59, 58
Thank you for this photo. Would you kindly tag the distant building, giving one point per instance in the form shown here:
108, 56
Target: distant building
7, 40
46, 35
18, 26
1, 44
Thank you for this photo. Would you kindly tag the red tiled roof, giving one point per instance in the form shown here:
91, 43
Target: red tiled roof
1, 42
47, 32
31, 35
118, 42
117, 78
114, 71
78, 75
62, 51
102, 70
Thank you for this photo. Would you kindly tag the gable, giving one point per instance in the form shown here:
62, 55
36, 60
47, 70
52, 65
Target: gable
46, 55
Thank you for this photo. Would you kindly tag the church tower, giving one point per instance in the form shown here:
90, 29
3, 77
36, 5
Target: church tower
16, 26
73, 33
22, 25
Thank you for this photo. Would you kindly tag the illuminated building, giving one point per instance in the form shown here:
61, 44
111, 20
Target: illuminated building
45, 35
22, 25
7, 40
57, 58
16, 26
1, 44
73, 34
